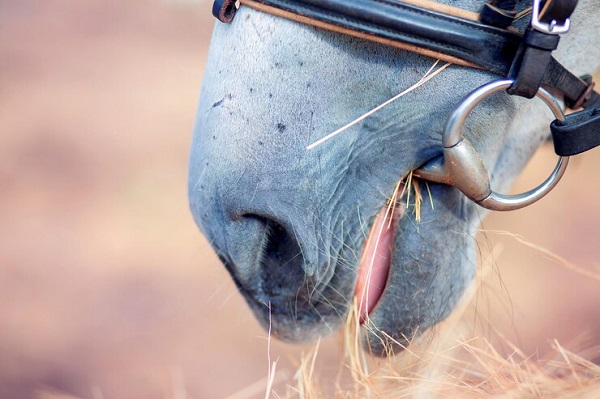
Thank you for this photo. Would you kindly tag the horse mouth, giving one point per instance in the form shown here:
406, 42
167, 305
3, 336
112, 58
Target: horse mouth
376, 260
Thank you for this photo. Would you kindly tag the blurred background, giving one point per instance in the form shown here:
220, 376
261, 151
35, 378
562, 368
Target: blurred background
107, 288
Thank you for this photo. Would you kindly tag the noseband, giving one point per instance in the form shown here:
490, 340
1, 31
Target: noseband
487, 40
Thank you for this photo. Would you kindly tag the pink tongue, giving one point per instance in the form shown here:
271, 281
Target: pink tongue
375, 263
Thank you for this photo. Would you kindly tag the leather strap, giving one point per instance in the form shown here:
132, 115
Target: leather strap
447, 37
579, 132
499, 13
496, 16
557, 10
578, 92
224, 10
435, 30
531, 62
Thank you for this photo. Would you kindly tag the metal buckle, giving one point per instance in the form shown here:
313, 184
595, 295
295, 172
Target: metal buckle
461, 167
551, 28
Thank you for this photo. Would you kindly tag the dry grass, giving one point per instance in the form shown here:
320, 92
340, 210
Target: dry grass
450, 367
107, 285
430, 74
449, 362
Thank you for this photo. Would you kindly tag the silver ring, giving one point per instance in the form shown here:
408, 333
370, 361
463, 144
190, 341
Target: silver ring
462, 167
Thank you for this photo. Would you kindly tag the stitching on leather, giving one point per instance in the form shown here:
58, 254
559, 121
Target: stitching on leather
342, 17
337, 19
400, 6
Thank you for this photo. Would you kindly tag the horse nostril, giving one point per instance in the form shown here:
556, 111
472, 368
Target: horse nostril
281, 265
272, 266
280, 248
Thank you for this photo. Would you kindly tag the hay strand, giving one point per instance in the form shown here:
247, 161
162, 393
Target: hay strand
430, 74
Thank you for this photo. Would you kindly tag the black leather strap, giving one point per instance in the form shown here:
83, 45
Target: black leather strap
557, 10
486, 46
577, 91
530, 64
391, 21
499, 13
224, 10
527, 58
579, 132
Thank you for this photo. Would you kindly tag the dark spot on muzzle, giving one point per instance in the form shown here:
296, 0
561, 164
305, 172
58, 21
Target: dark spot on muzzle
281, 127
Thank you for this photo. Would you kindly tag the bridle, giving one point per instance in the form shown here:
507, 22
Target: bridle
487, 40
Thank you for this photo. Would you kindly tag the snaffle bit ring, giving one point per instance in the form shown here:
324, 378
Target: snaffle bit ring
461, 166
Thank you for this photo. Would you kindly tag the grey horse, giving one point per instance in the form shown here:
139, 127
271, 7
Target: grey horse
290, 224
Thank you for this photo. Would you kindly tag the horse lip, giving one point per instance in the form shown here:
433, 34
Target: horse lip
375, 263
